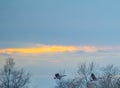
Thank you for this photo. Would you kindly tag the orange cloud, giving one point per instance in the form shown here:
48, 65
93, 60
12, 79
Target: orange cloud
48, 49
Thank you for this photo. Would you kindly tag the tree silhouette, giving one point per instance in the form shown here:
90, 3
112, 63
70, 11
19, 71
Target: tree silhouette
109, 77
11, 77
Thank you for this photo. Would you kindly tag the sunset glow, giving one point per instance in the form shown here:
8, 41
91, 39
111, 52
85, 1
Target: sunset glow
49, 49
39, 50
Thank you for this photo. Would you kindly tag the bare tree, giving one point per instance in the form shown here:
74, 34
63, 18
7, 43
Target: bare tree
109, 78
85, 70
11, 77
80, 81
70, 83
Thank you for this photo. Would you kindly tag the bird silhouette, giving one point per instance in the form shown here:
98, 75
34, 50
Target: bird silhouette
93, 77
58, 76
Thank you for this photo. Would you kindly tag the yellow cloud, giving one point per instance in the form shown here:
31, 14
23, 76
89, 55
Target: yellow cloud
39, 50
48, 49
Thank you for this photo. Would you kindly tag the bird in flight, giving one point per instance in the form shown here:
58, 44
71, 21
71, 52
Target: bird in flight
58, 76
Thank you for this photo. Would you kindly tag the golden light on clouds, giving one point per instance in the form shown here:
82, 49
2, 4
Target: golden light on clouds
48, 49
87, 49
39, 50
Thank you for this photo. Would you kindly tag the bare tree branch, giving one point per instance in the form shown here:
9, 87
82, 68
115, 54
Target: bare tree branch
11, 77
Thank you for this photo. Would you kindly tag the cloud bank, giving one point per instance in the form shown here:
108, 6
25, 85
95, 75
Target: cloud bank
43, 49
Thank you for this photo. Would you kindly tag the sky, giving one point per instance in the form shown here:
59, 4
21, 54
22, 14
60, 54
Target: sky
49, 36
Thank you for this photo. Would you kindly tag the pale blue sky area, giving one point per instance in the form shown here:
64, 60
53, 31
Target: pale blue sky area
60, 21
25, 23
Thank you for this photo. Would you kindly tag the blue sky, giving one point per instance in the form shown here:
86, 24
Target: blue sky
90, 28
60, 21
